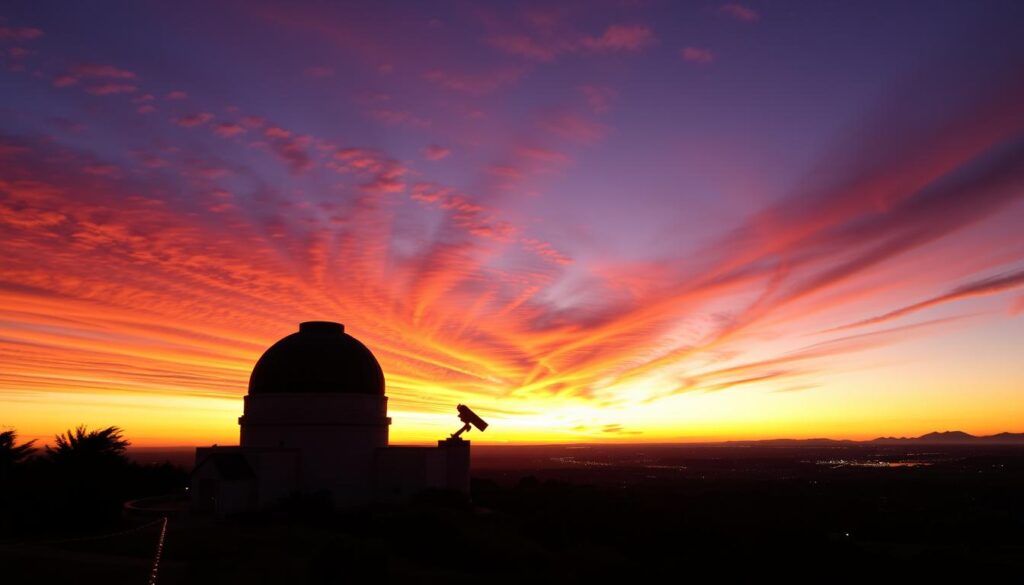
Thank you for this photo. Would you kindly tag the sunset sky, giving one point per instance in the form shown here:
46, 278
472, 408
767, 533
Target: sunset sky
589, 221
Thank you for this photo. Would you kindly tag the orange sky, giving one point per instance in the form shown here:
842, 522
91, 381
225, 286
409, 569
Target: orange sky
634, 224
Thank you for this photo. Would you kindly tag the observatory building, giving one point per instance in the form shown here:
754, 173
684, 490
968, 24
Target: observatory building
315, 422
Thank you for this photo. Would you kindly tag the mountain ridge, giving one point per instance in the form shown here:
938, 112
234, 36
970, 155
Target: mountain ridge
953, 437
932, 438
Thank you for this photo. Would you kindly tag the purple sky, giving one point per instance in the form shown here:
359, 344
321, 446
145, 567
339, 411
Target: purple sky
589, 207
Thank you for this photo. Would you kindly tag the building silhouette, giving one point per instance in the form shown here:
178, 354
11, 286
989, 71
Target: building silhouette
315, 422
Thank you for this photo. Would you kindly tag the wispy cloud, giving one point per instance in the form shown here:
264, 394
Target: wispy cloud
25, 33
435, 152
549, 45
475, 83
740, 12
565, 253
599, 98
697, 55
229, 129
621, 37
101, 74
110, 88
319, 71
571, 126
192, 120
981, 287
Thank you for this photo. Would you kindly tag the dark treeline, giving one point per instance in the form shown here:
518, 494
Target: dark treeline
78, 484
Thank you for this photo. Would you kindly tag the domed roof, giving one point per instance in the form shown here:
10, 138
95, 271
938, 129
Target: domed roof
320, 358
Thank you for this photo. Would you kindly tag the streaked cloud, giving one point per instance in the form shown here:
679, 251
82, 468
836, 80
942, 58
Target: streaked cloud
319, 71
475, 83
229, 129
435, 152
196, 119
533, 210
981, 287
697, 55
740, 12
25, 33
621, 37
546, 47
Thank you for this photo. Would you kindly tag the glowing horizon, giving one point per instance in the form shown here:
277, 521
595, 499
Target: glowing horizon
590, 223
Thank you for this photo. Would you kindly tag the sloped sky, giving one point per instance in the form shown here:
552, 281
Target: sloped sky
590, 221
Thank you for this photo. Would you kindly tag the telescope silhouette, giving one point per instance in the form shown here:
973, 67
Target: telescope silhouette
471, 419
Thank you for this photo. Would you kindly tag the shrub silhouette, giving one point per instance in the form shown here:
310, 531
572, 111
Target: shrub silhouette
84, 447
12, 454
78, 484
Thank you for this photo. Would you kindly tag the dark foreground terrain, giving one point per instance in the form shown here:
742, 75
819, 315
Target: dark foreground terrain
732, 512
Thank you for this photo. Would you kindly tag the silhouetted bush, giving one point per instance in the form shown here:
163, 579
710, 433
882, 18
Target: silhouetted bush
78, 485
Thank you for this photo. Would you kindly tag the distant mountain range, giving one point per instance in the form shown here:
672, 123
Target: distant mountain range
950, 437
937, 438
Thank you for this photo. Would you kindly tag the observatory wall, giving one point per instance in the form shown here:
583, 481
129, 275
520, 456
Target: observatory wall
402, 471
337, 436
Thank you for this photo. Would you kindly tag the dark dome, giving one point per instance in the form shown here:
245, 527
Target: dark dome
321, 357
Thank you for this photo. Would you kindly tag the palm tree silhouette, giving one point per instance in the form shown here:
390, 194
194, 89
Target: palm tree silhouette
12, 454
81, 446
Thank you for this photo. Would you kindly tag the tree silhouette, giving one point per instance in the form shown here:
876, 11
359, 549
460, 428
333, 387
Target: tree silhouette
10, 453
81, 446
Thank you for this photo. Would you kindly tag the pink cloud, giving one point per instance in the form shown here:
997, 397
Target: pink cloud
19, 34
276, 132
621, 37
64, 80
253, 122
542, 155
227, 129
292, 151
399, 118
984, 286
740, 12
1017, 307
599, 98
435, 152
546, 251
616, 38
176, 95
468, 215
99, 170
524, 46
192, 120
573, 127
358, 159
697, 55
385, 174
213, 172
506, 172
319, 71
204, 169
475, 84
387, 181
110, 88
146, 109
152, 162
97, 70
